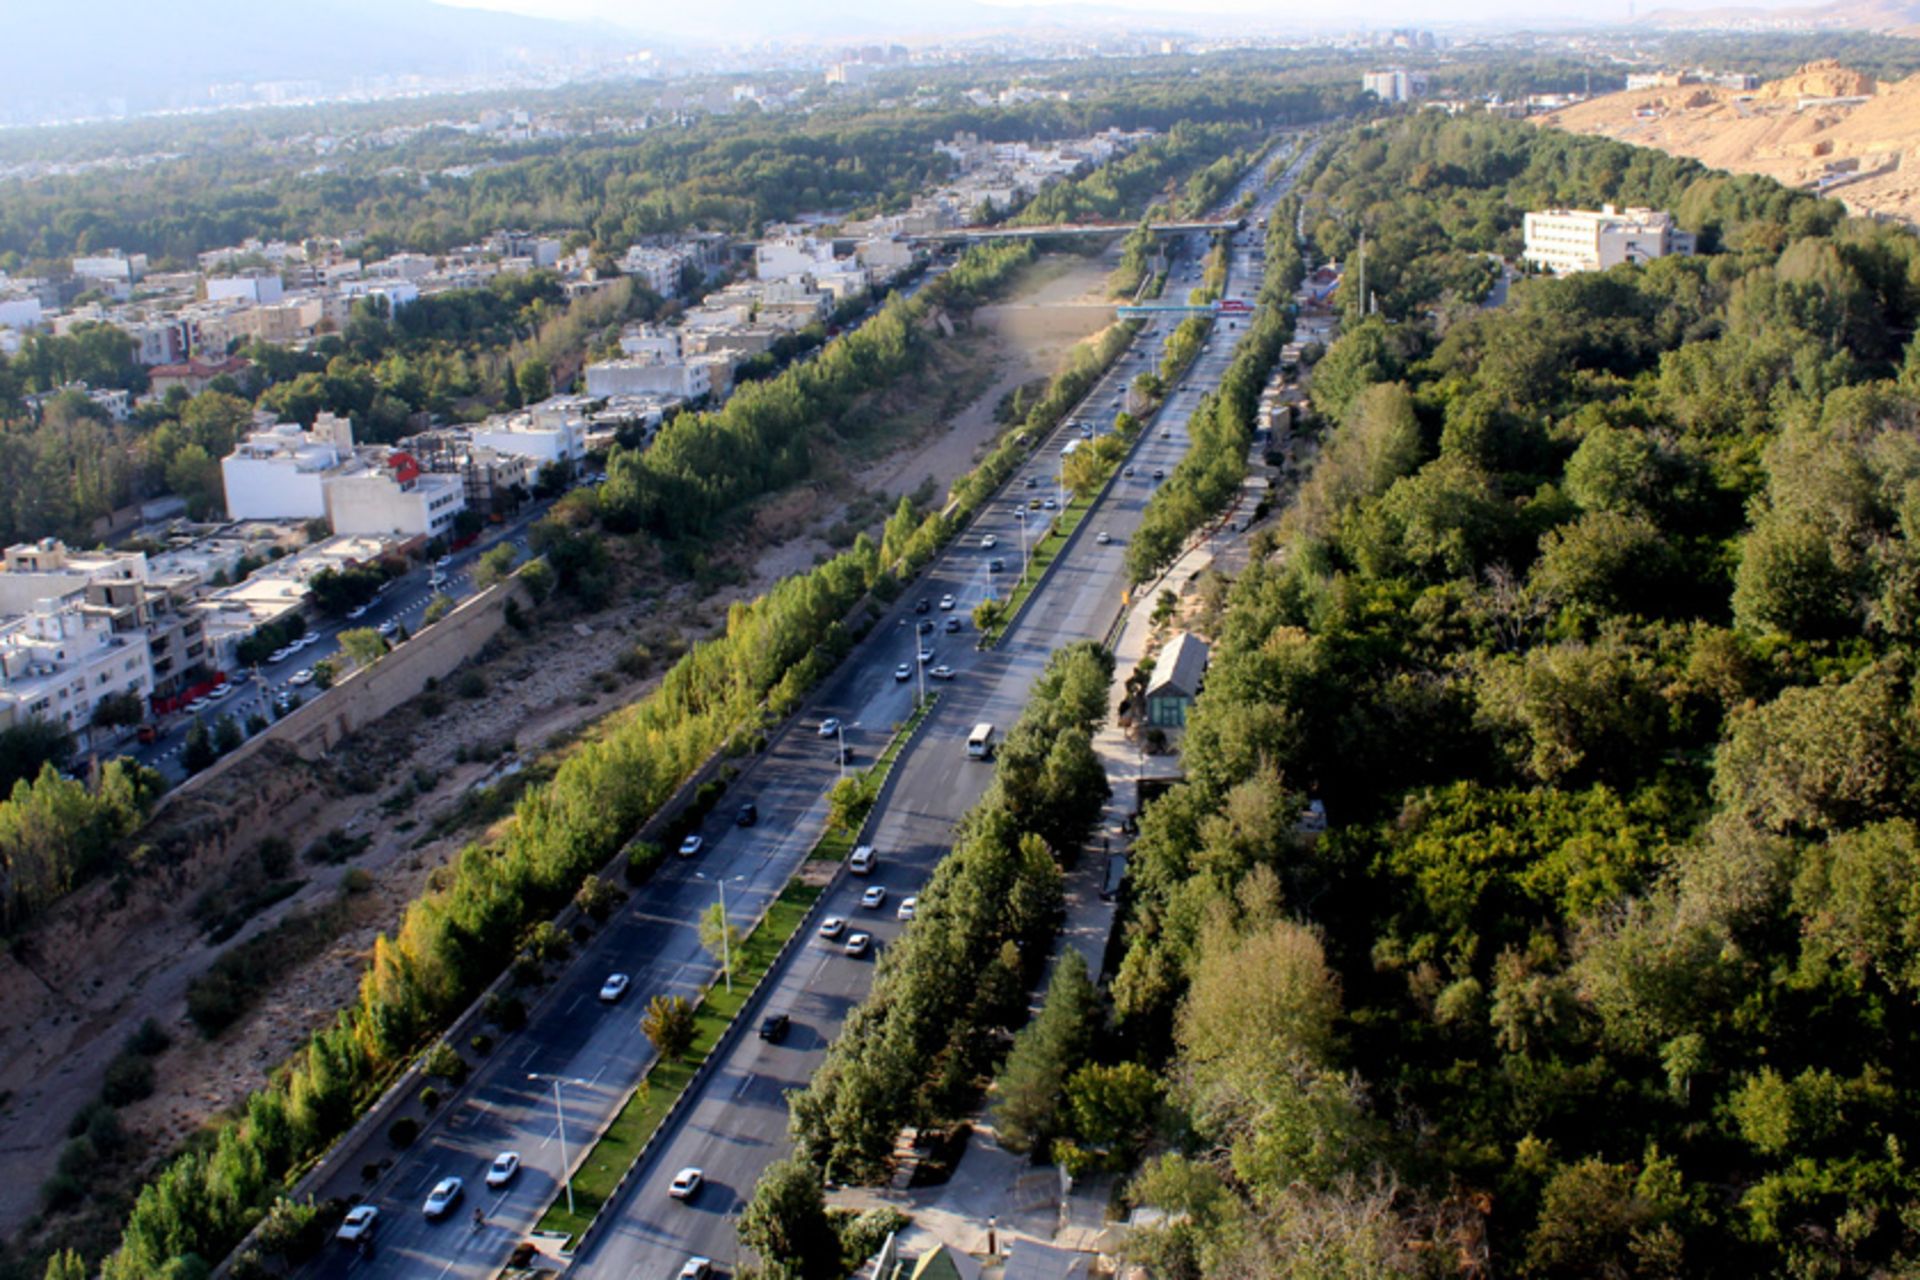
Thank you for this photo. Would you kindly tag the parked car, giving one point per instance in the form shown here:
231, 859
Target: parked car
614, 987
445, 1195
387, 627
301, 677
502, 1170
358, 611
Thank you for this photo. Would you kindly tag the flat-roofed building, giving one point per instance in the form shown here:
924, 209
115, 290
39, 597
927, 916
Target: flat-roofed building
1568, 240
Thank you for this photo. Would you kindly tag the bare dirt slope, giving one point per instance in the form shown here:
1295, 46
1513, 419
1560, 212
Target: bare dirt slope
107, 959
1796, 130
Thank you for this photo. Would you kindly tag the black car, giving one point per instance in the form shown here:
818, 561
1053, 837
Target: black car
748, 814
924, 626
846, 755
773, 1027
997, 564
922, 605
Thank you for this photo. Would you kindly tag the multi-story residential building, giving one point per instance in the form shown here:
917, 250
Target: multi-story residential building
111, 268
1567, 240
554, 430
281, 473
1395, 84
393, 496
60, 660
257, 289
689, 379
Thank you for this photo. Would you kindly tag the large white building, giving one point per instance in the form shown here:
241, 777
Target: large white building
1395, 84
281, 473
552, 431
393, 496
60, 660
1568, 240
689, 379
255, 289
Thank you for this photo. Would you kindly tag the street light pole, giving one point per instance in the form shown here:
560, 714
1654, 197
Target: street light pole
560, 1118
840, 734
726, 939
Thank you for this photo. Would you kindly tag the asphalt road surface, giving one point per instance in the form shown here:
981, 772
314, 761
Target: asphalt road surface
738, 1122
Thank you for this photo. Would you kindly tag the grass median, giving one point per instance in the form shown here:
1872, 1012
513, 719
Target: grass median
665, 1081
1037, 562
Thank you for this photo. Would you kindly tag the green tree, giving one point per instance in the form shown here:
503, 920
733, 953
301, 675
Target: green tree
495, 565
65, 1264
437, 608
1030, 1090
668, 1024
534, 381
363, 646
719, 935
785, 1223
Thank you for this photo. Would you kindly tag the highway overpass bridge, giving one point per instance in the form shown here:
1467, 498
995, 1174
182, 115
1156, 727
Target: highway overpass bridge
968, 235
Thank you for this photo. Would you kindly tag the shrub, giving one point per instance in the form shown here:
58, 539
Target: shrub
129, 1079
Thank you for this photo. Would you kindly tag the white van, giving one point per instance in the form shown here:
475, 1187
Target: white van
862, 860
980, 742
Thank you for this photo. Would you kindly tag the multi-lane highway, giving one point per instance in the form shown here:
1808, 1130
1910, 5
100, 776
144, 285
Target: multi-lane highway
737, 1122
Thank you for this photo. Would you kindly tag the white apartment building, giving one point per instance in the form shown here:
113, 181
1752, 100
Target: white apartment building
790, 257
255, 289
1395, 84
651, 342
60, 660
20, 312
111, 268
688, 379
393, 496
552, 431
1568, 240
281, 473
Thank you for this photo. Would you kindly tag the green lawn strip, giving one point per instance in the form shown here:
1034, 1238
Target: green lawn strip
1042, 556
664, 1082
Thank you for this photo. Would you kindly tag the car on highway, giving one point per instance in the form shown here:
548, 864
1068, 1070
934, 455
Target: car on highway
941, 672
926, 655
1050, 504
1127, 472
614, 987
446, 1193
1032, 481
989, 542
697, 1269
303, 676
924, 627
773, 1027
748, 815
828, 727
686, 1183
946, 601
907, 907
922, 605
502, 1170
857, 944
996, 565
1159, 473
1167, 434
1103, 538
953, 625
359, 1224
691, 845
903, 672
874, 898
1019, 513
832, 927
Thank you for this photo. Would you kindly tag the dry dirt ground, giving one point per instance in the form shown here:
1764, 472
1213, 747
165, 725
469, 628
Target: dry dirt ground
1823, 119
106, 960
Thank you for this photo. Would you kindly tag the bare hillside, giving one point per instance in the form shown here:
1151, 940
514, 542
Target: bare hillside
1824, 122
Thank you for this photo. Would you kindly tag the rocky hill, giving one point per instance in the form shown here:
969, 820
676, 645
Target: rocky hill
1825, 125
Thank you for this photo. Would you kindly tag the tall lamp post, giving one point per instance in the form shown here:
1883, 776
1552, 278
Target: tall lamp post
726, 934
560, 1117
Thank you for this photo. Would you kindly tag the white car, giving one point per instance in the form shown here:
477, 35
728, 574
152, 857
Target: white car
832, 927
359, 1224
443, 562
1104, 538
697, 1269
358, 611
446, 1193
501, 1171
907, 907
1020, 513
903, 672
874, 898
614, 987
946, 602
857, 944
387, 627
1049, 504
828, 727
303, 676
218, 692
686, 1184
989, 542
926, 656
280, 654
692, 845
941, 672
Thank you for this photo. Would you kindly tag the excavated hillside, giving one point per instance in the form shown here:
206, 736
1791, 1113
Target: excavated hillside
1826, 126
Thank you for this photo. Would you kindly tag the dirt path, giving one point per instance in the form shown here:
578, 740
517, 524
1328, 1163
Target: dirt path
99, 966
